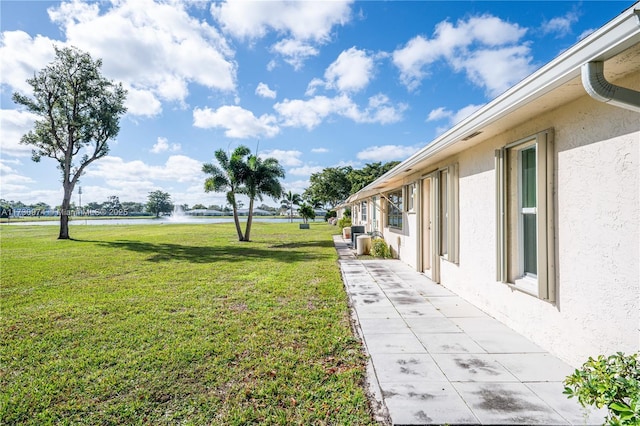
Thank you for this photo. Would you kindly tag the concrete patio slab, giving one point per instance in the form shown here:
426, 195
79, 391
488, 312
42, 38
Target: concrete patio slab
449, 343
406, 368
535, 367
508, 404
505, 342
473, 368
421, 403
432, 325
551, 393
398, 343
434, 358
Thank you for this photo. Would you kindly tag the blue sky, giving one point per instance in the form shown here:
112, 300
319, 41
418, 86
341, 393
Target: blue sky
313, 84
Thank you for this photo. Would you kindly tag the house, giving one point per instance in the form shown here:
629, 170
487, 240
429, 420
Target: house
529, 208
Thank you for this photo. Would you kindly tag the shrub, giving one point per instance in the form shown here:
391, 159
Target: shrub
379, 248
344, 222
329, 215
612, 382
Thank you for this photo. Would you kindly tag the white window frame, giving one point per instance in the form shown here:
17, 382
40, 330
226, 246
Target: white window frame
411, 197
363, 211
542, 284
374, 212
393, 207
452, 219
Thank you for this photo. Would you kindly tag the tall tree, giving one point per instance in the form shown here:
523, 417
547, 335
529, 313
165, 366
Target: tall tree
159, 202
228, 177
263, 178
330, 186
78, 110
291, 199
360, 178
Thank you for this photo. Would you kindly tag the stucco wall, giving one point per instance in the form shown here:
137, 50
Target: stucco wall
597, 175
403, 242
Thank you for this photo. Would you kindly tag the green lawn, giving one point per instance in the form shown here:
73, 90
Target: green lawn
176, 324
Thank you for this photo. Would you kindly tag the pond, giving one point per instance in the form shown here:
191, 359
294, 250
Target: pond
161, 221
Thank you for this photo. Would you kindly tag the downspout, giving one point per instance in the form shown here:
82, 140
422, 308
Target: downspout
601, 90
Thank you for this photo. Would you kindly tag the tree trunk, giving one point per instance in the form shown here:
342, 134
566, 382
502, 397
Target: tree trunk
236, 219
64, 214
247, 232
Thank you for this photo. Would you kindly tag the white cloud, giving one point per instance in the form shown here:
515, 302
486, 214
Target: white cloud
117, 172
289, 158
470, 46
12, 180
305, 170
295, 52
586, 33
310, 113
439, 114
238, 122
313, 85
21, 56
351, 72
162, 145
297, 186
560, 25
264, 91
498, 69
302, 24
386, 153
13, 125
319, 150
302, 20
453, 117
142, 102
155, 49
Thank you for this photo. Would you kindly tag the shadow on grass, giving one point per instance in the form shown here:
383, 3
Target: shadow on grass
302, 244
164, 252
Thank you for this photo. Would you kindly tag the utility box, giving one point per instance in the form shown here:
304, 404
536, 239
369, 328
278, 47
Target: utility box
363, 244
346, 233
356, 229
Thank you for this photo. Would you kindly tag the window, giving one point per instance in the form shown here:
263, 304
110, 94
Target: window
412, 190
394, 209
445, 184
525, 258
363, 211
444, 211
374, 212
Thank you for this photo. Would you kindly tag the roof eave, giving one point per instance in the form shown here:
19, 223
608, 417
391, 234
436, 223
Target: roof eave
616, 36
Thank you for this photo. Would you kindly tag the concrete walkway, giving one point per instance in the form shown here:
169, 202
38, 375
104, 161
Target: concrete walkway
436, 359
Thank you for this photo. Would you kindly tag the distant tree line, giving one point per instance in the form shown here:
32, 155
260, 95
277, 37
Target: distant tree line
333, 185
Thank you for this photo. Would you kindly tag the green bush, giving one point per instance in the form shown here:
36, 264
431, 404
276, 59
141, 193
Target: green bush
344, 222
612, 382
379, 248
329, 215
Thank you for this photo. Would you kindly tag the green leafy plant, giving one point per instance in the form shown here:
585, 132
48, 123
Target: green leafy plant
379, 248
344, 222
612, 382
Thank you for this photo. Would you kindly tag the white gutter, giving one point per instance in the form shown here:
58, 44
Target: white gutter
601, 90
613, 38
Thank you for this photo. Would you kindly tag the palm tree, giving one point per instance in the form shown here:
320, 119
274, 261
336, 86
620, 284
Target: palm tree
290, 199
263, 178
229, 178
307, 212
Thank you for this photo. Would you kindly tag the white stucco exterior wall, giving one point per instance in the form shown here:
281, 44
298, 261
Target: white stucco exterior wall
597, 188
